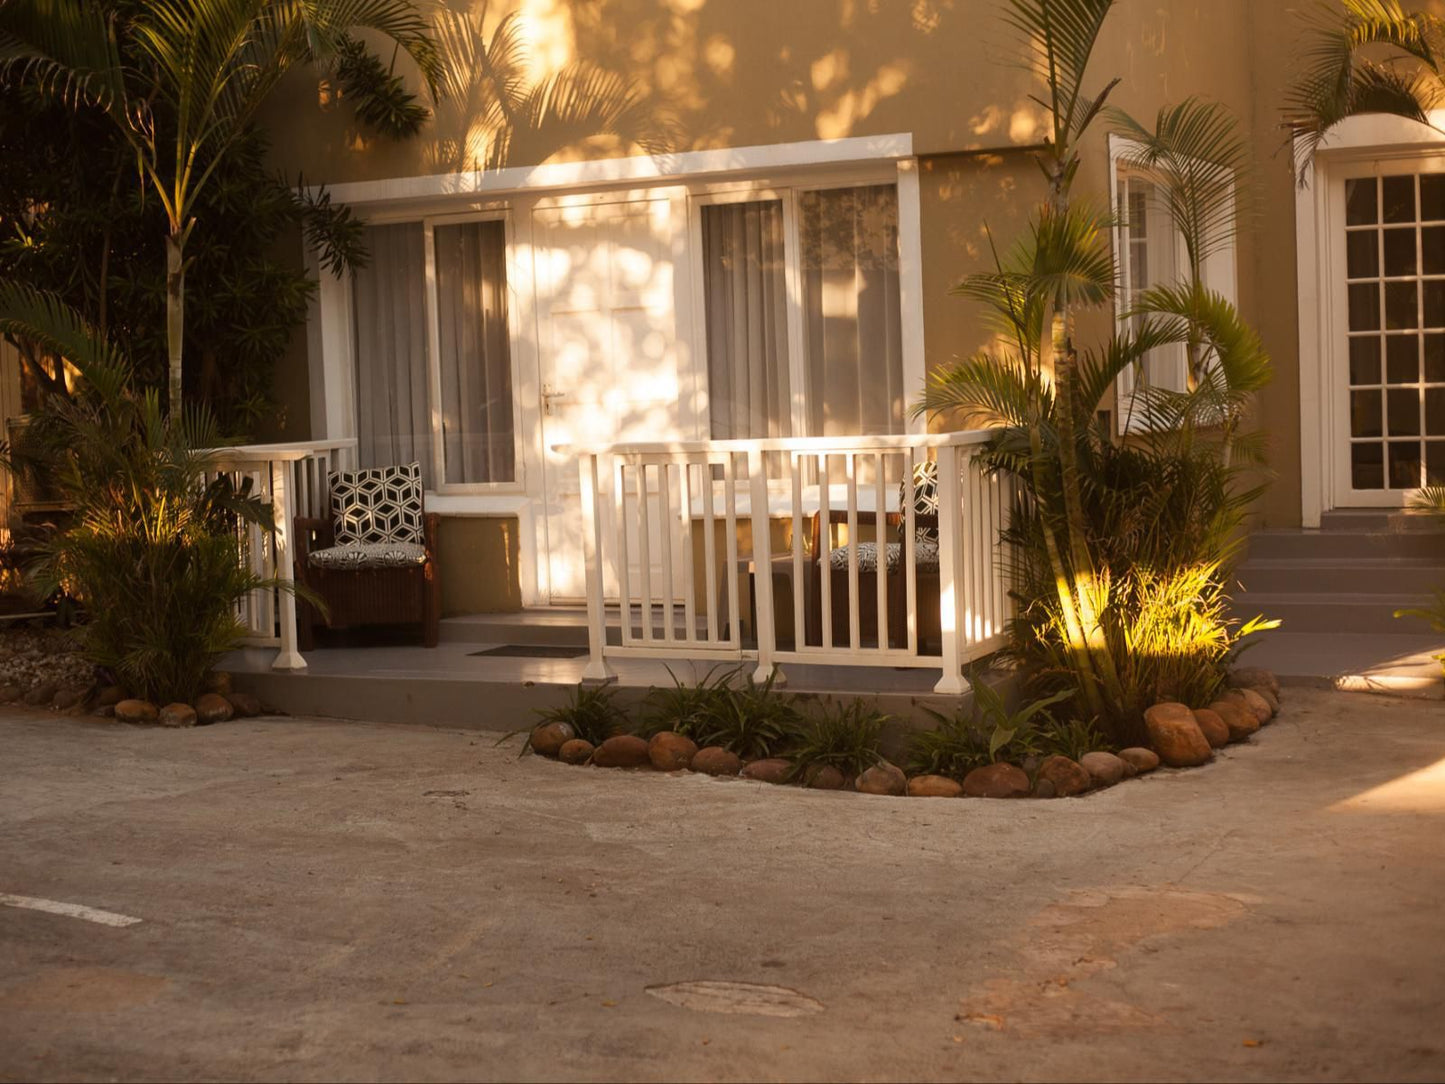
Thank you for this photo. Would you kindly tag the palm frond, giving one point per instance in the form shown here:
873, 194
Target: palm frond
1362, 56
1059, 36
1197, 156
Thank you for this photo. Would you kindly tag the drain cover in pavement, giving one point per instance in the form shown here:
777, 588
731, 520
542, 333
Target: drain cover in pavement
744, 998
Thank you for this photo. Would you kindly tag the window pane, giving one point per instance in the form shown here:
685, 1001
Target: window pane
1404, 411
1401, 305
749, 394
1367, 466
1361, 202
1365, 307
1404, 464
1402, 359
1363, 254
393, 425
1435, 463
1435, 411
1400, 252
1398, 195
1365, 360
1432, 250
1365, 413
475, 353
851, 310
1435, 359
1432, 197
1434, 302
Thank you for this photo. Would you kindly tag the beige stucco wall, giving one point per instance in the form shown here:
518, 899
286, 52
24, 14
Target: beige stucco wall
478, 560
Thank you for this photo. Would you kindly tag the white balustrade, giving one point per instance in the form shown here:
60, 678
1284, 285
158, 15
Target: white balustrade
652, 518
292, 479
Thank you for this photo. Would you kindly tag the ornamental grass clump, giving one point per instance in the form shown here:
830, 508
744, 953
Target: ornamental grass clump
153, 548
843, 735
753, 720
591, 711
686, 709
985, 731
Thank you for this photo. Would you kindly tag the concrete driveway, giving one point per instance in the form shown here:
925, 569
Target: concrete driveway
323, 900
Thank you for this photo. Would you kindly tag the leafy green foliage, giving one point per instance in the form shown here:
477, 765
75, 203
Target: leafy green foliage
590, 711
753, 720
154, 551
74, 222
1071, 738
984, 732
688, 709
383, 103
842, 735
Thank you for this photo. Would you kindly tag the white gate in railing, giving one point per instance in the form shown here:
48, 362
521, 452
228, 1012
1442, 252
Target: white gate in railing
682, 536
292, 479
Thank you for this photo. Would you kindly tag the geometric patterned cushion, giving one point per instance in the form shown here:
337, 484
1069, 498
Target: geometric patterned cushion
925, 555
380, 504
925, 499
355, 555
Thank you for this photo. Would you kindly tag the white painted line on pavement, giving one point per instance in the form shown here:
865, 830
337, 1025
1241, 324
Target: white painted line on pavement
72, 910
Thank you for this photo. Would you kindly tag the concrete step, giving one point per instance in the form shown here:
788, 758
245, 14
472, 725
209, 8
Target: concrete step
1340, 612
1278, 545
1361, 576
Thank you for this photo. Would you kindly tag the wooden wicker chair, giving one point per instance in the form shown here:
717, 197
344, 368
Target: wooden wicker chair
378, 575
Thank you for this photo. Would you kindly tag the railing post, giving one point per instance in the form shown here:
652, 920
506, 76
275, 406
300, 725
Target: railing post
950, 569
597, 669
767, 630
282, 488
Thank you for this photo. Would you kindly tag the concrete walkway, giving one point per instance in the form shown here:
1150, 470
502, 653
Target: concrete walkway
322, 900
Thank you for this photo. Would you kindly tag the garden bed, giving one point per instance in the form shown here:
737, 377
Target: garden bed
727, 729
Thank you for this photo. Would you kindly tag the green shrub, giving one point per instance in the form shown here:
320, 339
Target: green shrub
982, 733
842, 735
752, 721
1071, 738
687, 708
153, 551
590, 711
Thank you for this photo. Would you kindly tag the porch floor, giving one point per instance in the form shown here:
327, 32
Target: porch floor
451, 685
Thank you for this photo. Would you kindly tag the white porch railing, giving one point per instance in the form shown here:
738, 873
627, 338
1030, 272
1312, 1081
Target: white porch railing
292, 478
673, 532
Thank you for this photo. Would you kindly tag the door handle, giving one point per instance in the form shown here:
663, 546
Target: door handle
548, 394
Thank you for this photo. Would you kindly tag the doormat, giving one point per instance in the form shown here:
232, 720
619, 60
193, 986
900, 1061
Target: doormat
534, 651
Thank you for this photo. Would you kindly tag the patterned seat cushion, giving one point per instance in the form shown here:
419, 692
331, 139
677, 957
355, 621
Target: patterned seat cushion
356, 555
380, 504
925, 500
925, 556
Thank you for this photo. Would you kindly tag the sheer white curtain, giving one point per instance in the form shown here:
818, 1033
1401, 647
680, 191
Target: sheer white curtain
478, 439
851, 309
392, 416
749, 393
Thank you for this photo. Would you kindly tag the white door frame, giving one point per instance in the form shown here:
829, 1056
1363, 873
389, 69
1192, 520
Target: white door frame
1319, 232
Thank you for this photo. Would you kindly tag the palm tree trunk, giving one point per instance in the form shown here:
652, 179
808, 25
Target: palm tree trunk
175, 314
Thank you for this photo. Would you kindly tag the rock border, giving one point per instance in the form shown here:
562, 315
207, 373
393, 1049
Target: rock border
1180, 736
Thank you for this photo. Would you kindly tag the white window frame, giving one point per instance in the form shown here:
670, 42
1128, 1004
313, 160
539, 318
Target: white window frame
429, 222
1220, 272
786, 189
1319, 229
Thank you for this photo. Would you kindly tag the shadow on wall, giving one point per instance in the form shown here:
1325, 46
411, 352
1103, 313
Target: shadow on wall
547, 80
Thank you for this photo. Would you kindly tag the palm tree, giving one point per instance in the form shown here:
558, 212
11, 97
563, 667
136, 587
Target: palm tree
1364, 56
1043, 392
184, 79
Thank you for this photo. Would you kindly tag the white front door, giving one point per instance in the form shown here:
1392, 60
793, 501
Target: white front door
1388, 276
608, 338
